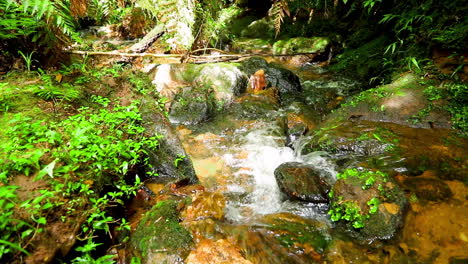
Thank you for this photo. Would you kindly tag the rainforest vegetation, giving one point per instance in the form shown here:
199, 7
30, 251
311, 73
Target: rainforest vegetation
76, 110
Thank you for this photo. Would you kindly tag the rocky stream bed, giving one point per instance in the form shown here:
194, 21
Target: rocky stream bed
270, 162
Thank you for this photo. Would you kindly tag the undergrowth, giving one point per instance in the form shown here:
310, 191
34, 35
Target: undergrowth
83, 159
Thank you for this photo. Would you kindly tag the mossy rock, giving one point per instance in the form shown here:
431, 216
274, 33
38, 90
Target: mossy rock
261, 29
161, 159
160, 231
254, 45
285, 238
403, 101
192, 106
301, 45
367, 205
225, 80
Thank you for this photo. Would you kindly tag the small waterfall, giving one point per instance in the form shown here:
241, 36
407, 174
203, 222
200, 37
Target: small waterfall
266, 153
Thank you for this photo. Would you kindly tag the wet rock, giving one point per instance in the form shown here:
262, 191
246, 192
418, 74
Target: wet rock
263, 105
301, 45
192, 106
205, 205
159, 238
302, 182
428, 189
214, 252
438, 231
161, 160
389, 146
402, 102
326, 95
276, 76
299, 120
286, 238
368, 205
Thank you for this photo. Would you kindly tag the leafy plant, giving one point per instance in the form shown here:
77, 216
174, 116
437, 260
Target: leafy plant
27, 59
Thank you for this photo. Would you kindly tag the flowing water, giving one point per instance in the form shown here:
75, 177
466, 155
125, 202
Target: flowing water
235, 156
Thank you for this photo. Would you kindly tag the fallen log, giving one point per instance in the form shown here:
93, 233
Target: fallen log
184, 57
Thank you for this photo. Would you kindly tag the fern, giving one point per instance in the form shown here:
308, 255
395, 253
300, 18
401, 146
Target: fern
278, 11
57, 20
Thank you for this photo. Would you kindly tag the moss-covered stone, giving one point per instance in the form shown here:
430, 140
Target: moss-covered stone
301, 45
263, 29
255, 45
295, 232
192, 106
368, 205
160, 231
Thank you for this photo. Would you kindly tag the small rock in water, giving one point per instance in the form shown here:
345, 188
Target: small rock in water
302, 182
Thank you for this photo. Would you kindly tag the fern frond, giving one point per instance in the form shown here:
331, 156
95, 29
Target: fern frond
56, 16
278, 11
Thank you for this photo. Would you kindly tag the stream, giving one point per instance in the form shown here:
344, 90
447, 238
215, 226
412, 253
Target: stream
239, 213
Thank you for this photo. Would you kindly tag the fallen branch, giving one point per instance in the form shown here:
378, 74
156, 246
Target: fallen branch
184, 57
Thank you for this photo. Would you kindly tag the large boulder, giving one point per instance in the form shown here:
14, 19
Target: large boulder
301, 45
302, 182
367, 205
216, 84
276, 76
226, 81
404, 101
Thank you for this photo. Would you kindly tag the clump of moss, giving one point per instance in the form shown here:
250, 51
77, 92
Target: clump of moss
291, 234
160, 230
367, 203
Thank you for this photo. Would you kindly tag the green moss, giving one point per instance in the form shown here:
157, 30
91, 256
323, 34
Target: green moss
300, 45
292, 233
160, 230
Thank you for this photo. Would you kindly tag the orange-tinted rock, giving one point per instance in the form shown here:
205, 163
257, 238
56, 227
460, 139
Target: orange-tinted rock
216, 252
257, 81
205, 205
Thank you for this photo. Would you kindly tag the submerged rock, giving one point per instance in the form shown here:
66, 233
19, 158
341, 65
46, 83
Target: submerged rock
367, 205
302, 182
428, 189
215, 252
287, 238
